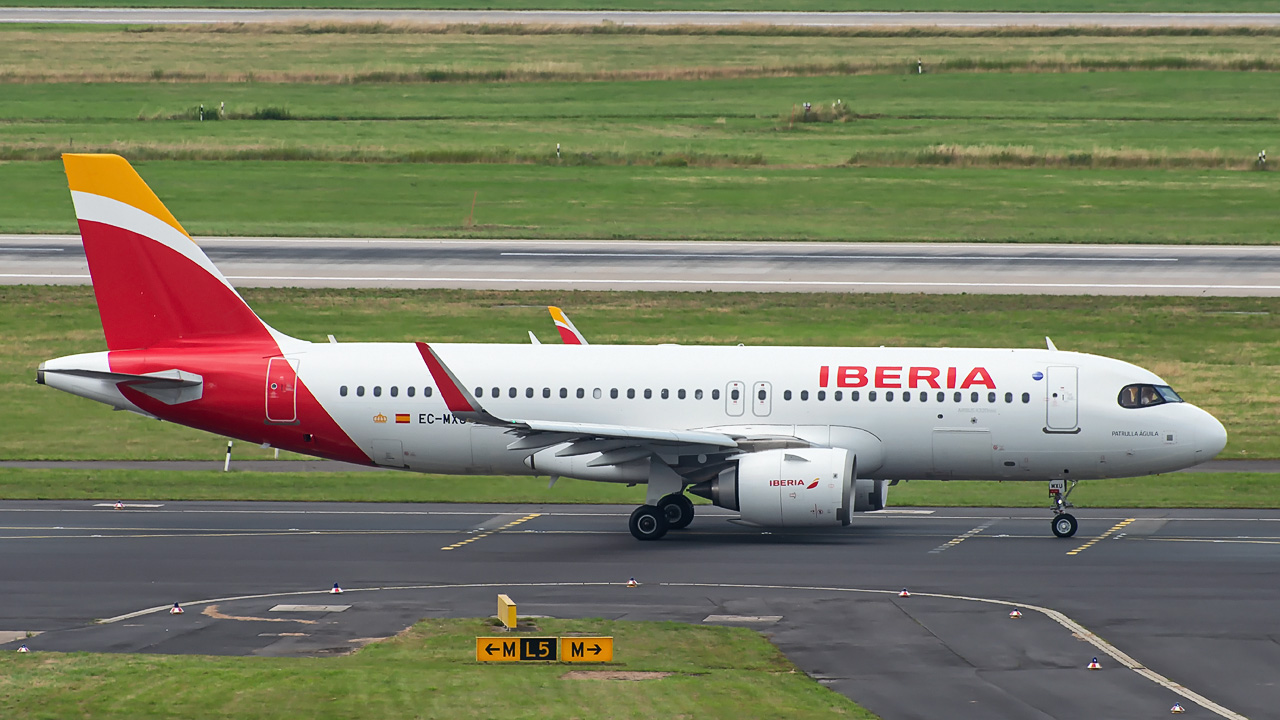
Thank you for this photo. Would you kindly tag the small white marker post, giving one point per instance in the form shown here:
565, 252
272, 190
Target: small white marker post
226, 465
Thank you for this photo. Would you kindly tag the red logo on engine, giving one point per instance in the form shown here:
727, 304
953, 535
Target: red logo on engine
812, 485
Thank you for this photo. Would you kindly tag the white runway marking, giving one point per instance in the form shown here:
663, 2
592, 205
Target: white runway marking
1070, 625
779, 256
640, 283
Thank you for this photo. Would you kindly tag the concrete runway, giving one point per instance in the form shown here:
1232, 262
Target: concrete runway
1182, 597
140, 16
756, 266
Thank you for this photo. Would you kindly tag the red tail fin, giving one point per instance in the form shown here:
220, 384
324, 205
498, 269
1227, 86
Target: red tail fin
154, 285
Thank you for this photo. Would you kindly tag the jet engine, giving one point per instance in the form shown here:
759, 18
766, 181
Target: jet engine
786, 488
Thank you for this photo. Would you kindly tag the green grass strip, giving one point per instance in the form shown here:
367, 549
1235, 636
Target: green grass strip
1220, 353
429, 671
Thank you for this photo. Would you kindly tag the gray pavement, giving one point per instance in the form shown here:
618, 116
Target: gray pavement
658, 18
316, 465
1187, 270
1189, 595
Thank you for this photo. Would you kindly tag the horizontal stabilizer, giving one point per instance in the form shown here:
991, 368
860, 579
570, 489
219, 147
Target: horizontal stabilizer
170, 387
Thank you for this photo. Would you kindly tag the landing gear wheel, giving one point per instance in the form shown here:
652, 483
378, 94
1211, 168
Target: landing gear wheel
648, 523
678, 509
1064, 525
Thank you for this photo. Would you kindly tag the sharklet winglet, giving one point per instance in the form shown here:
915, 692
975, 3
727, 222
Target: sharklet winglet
456, 397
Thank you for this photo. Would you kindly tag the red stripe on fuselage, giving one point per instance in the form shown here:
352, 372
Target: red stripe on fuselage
232, 401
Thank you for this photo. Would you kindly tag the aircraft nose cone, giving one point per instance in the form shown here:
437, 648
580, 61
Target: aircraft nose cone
1211, 438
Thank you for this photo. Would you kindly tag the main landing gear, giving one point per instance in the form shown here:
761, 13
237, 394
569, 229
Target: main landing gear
1064, 523
672, 512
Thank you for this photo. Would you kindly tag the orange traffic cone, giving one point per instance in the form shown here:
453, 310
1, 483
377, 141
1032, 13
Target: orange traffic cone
1093, 664
1177, 709
904, 593
176, 609
1015, 614
336, 590
632, 583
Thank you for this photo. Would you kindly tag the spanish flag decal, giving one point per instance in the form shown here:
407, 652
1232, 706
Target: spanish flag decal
402, 418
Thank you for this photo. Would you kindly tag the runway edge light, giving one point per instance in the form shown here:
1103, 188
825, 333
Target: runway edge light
1177, 709
118, 506
1093, 664
1015, 614
904, 593
176, 609
336, 590
632, 583
24, 648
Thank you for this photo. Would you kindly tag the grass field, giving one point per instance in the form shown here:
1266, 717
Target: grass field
748, 5
1219, 353
429, 672
683, 132
431, 200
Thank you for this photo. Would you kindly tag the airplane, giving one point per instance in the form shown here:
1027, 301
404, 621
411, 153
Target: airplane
785, 436
569, 334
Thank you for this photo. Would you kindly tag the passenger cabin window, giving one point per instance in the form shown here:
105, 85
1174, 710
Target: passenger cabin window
528, 392
479, 392
377, 391
822, 394
426, 392
888, 396
786, 394
342, 391
871, 396
511, 392
359, 391
581, 393
804, 394
546, 392
648, 394
1026, 398
715, 394
410, 390
734, 393
1138, 396
854, 395
613, 393
680, 394
665, 393
697, 394
837, 395
564, 392
631, 393
395, 391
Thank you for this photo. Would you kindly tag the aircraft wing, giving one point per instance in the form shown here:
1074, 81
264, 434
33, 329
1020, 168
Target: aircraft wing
617, 443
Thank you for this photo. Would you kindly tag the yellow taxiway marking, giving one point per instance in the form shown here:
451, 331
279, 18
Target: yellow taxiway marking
961, 538
212, 611
1114, 528
487, 533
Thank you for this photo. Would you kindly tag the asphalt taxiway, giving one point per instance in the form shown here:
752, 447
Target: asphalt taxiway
994, 268
1184, 599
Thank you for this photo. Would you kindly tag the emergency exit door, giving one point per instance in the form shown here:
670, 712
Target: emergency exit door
1062, 409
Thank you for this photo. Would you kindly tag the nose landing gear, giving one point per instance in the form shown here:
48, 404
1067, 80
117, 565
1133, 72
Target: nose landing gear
1064, 523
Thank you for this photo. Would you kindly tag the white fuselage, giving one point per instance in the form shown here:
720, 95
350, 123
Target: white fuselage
1027, 415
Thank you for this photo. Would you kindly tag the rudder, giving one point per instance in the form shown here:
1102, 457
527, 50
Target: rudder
153, 284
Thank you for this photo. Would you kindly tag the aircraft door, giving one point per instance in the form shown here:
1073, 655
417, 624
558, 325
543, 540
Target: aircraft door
735, 398
282, 399
1060, 386
389, 453
762, 399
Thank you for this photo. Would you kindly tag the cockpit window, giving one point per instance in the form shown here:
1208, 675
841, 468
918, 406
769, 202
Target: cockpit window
1138, 396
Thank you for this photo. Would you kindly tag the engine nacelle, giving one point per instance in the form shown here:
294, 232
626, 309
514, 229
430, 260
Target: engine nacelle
786, 488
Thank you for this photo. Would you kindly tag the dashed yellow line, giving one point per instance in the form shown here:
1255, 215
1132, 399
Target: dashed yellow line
487, 533
961, 538
1118, 526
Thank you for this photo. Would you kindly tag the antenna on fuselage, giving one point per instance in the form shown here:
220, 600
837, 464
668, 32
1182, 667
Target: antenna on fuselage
1049, 343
